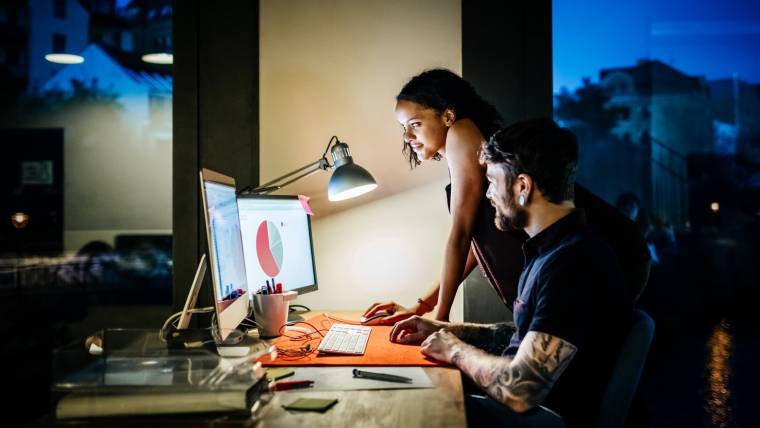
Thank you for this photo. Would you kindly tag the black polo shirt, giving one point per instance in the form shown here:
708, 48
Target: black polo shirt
498, 253
572, 288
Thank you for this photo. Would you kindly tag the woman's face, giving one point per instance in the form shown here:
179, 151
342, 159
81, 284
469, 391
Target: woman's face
424, 129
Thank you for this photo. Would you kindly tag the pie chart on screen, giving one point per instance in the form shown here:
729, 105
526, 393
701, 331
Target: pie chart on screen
269, 248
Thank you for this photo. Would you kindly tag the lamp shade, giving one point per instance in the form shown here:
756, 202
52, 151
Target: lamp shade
349, 179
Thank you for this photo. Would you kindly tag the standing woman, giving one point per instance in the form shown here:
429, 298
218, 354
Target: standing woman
444, 118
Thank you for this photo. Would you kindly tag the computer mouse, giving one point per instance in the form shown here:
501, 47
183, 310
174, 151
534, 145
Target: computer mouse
379, 314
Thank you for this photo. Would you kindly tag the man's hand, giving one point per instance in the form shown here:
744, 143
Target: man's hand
414, 330
441, 345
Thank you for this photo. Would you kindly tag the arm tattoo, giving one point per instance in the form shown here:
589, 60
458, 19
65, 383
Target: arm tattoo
525, 380
492, 338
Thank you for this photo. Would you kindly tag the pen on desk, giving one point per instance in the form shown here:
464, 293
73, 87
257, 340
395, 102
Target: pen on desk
291, 384
381, 376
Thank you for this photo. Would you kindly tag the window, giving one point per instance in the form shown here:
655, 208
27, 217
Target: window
127, 44
85, 195
666, 107
59, 43
59, 9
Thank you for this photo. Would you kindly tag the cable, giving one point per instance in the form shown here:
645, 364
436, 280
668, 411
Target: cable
232, 337
304, 349
330, 317
172, 317
303, 308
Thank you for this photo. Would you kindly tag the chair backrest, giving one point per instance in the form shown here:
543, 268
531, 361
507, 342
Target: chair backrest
626, 372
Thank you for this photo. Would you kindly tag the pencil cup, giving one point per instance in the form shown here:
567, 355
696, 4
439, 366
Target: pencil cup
271, 312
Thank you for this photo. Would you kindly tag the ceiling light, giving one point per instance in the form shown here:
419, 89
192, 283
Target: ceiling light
64, 58
159, 58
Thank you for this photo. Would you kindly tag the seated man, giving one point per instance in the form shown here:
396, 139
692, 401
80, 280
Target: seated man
571, 312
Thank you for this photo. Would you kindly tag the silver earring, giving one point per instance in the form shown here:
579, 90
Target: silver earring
521, 200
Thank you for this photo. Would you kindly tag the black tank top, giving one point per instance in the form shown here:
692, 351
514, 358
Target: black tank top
499, 254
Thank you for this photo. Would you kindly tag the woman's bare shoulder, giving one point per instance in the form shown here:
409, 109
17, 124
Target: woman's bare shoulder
463, 136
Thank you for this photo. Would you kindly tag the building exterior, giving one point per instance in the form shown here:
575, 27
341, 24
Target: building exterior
14, 46
736, 115
670, 112
110, 26
153, 25
144, 91
59, 26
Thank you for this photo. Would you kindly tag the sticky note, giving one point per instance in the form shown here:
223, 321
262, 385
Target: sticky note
311, 404
305, 204
275, 373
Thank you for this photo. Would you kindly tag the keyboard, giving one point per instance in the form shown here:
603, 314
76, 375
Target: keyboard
345, 339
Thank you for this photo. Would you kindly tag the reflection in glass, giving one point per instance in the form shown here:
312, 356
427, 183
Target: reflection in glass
667, 110
719, 373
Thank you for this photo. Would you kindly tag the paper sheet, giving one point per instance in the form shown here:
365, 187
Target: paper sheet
342, 379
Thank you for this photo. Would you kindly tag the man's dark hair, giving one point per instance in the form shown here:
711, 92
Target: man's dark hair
540, 149
441, 89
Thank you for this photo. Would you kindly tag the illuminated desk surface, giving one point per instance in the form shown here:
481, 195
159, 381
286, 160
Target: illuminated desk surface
442, 406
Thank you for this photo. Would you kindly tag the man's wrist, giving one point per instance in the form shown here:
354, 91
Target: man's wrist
457, 354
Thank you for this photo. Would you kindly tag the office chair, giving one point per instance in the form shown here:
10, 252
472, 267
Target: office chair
626, 373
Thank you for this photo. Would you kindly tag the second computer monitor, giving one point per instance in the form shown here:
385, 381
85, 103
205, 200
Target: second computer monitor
277, 242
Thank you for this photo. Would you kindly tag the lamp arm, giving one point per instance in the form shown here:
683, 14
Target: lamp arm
271, 186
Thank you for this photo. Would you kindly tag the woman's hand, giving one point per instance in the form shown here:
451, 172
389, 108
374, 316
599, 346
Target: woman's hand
392, 313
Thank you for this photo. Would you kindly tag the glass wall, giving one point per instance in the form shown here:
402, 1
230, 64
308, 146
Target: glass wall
665, 100
86, 135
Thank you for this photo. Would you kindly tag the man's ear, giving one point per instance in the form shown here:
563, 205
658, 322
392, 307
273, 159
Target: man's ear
525, 186
449, 117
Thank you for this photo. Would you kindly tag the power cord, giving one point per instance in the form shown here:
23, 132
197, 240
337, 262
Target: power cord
303, 308
305, 347
171, 320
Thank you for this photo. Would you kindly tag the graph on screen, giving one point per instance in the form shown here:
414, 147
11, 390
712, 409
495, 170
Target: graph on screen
269, 248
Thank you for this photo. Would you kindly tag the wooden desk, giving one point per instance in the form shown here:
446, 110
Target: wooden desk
442, 406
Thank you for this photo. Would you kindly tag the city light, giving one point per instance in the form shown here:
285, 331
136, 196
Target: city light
19, 220
159, 58
62, 58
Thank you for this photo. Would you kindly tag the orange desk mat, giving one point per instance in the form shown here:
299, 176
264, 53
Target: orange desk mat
380, 351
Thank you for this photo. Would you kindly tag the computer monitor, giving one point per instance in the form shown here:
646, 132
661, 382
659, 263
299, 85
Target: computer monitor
277, 242
225, 249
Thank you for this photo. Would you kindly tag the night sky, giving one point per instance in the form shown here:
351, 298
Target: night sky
710, 38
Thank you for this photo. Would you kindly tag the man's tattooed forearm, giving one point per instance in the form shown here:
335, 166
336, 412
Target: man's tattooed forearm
526, 379
492, 338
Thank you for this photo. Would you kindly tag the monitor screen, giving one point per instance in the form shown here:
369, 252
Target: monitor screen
225, 250
277, 242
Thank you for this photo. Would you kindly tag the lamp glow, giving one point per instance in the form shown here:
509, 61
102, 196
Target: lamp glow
64, 58
352, 193
715, 207
159, 58
19, 220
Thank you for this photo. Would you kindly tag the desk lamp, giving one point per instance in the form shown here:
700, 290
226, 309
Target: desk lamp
348, 181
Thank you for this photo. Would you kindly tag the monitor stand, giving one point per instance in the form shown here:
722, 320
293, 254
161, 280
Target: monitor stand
294, 316
232, 347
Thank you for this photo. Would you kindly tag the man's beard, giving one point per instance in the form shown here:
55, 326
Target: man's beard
518, 220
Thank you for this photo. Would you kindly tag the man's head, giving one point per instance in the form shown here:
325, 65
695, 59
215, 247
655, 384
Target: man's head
530, 165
